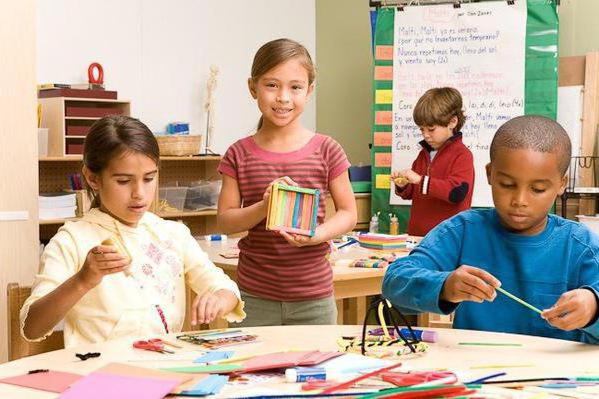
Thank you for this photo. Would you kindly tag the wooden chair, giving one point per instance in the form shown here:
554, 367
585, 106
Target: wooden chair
17, 346
435, 320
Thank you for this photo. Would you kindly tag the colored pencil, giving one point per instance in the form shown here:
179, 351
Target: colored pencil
488, 344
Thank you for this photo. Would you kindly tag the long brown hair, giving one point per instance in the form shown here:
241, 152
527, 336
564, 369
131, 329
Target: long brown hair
277, 52
110, 137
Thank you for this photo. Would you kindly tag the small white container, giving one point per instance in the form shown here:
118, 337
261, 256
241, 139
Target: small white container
592, 222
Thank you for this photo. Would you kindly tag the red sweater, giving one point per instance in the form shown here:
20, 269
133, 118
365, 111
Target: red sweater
445, 188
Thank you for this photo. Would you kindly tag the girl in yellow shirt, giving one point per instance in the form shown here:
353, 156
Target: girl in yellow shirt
134, 283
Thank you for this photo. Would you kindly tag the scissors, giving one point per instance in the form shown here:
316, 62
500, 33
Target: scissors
156, 345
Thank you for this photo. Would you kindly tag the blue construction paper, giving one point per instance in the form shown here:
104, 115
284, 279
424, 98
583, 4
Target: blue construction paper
208, 386
213, 356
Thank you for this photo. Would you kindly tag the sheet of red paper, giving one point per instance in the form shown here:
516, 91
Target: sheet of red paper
51, 381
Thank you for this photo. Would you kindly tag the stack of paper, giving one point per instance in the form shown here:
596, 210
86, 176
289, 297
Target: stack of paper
57, 205
382, 241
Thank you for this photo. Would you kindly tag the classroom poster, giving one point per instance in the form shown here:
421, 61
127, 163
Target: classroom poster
480, 50
540, 87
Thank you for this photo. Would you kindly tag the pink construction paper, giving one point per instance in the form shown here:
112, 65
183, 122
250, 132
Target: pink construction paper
51, 381
102, 386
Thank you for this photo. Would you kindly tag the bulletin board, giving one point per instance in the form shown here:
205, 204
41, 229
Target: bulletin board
503, 70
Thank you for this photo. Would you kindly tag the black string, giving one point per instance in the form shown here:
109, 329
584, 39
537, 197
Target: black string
89, 355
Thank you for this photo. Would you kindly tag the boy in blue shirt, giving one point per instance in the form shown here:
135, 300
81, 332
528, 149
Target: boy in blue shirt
550, 262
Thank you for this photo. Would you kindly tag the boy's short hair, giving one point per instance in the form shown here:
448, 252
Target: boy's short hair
537, 133
437, 106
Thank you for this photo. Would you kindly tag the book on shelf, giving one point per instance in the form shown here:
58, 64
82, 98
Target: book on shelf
79, 86
57, 213
78, 93
57, 200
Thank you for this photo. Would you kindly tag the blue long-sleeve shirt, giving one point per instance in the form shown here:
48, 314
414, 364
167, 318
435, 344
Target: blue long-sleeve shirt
538, 269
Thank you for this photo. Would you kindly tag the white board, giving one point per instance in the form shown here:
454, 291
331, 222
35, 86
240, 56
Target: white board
478, 49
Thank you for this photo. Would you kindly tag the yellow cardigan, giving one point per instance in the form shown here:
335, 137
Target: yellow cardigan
165, 257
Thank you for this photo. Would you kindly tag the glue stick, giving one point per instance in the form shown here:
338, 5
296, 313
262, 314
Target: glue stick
215, 237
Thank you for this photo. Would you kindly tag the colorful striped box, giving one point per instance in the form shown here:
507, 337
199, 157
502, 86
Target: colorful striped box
292, 209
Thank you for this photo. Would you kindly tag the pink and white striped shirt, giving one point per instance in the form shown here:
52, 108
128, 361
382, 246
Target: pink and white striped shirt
269, 267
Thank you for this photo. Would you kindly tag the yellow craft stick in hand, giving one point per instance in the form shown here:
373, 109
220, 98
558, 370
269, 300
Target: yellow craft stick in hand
120, 248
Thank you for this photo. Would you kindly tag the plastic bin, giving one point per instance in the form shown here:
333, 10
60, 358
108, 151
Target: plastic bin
203, 195
174, 196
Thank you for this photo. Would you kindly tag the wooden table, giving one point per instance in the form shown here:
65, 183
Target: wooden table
537, 357
351, 285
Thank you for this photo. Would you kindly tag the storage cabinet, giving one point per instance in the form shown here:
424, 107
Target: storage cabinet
69, 119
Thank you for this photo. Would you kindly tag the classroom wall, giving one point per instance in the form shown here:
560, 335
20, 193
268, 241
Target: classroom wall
19, 251
345, 72
157, 54
344, 79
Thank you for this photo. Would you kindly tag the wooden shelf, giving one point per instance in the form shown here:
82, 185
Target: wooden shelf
73, 158
207, 212
57, 221
82, 118
166, 215
96, 100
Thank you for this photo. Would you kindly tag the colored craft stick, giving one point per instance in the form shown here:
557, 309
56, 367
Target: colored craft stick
417, 392
315, 210
298, 216
347, 384
488, 344
520, 301
486, 378
500, 366
289, 208
296, 209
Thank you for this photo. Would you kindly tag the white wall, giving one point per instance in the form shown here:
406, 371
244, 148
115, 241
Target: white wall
157, 54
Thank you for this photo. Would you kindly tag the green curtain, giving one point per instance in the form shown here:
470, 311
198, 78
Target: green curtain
540, 93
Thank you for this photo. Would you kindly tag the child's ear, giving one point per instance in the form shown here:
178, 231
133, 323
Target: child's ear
563, 185
453, 122
92, 179
310, 89
488, 170
252, 88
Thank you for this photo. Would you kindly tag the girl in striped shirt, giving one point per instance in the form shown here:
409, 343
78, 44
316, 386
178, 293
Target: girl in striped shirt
284, 278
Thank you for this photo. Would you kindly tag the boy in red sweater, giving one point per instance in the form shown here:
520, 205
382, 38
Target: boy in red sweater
441, 180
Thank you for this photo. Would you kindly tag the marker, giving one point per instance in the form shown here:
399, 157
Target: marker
215, 237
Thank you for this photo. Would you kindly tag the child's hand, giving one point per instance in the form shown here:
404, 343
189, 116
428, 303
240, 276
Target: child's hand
285, 179
399, 179
467, 283
412, 176
298, 240
209, 306
574, 309
100, 261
